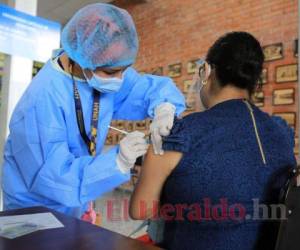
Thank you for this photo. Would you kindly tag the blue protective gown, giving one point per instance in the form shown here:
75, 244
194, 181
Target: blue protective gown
46, 162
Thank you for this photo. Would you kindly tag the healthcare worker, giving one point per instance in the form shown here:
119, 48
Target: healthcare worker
54, 153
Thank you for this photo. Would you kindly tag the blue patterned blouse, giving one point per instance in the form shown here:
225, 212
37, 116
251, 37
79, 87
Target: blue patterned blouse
221, 189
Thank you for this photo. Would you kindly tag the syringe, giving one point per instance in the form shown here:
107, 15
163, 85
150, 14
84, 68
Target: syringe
119, 130
125, 132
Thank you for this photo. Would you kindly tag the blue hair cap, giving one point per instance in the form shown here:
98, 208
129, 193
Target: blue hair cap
100, 35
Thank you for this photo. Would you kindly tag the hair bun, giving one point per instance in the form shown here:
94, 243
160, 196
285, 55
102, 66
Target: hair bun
248, 73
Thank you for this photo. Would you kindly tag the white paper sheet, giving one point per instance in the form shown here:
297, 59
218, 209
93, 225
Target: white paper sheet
43, 220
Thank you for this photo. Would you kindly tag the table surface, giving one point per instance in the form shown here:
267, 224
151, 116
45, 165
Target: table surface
75, 234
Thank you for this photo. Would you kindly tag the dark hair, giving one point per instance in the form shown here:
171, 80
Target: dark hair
238, 59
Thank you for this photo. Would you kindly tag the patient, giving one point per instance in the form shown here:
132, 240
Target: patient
222, 168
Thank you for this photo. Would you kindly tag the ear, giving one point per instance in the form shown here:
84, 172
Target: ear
207, 70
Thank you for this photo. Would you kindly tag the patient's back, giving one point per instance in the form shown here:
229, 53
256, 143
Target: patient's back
223, 163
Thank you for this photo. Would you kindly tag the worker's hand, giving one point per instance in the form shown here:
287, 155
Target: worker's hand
132, 146
161, 125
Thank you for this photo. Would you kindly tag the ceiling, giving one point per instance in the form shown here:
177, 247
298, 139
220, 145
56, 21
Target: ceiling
60, 10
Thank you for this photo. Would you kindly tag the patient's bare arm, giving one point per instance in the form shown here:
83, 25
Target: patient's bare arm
154, 172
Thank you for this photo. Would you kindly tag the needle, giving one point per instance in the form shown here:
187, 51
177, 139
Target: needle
119, 130
126, 133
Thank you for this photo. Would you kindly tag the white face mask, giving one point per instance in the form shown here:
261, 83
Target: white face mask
105, 85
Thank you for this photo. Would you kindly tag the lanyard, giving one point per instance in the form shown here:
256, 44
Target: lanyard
91, 143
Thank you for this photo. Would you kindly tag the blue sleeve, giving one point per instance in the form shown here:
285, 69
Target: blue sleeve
40, 146
286, 128
179, 138
140, 94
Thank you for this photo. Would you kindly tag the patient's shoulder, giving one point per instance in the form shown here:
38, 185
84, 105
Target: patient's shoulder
193, 120
184, 124
180, 137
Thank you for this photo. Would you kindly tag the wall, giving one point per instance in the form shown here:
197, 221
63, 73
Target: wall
176, 31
